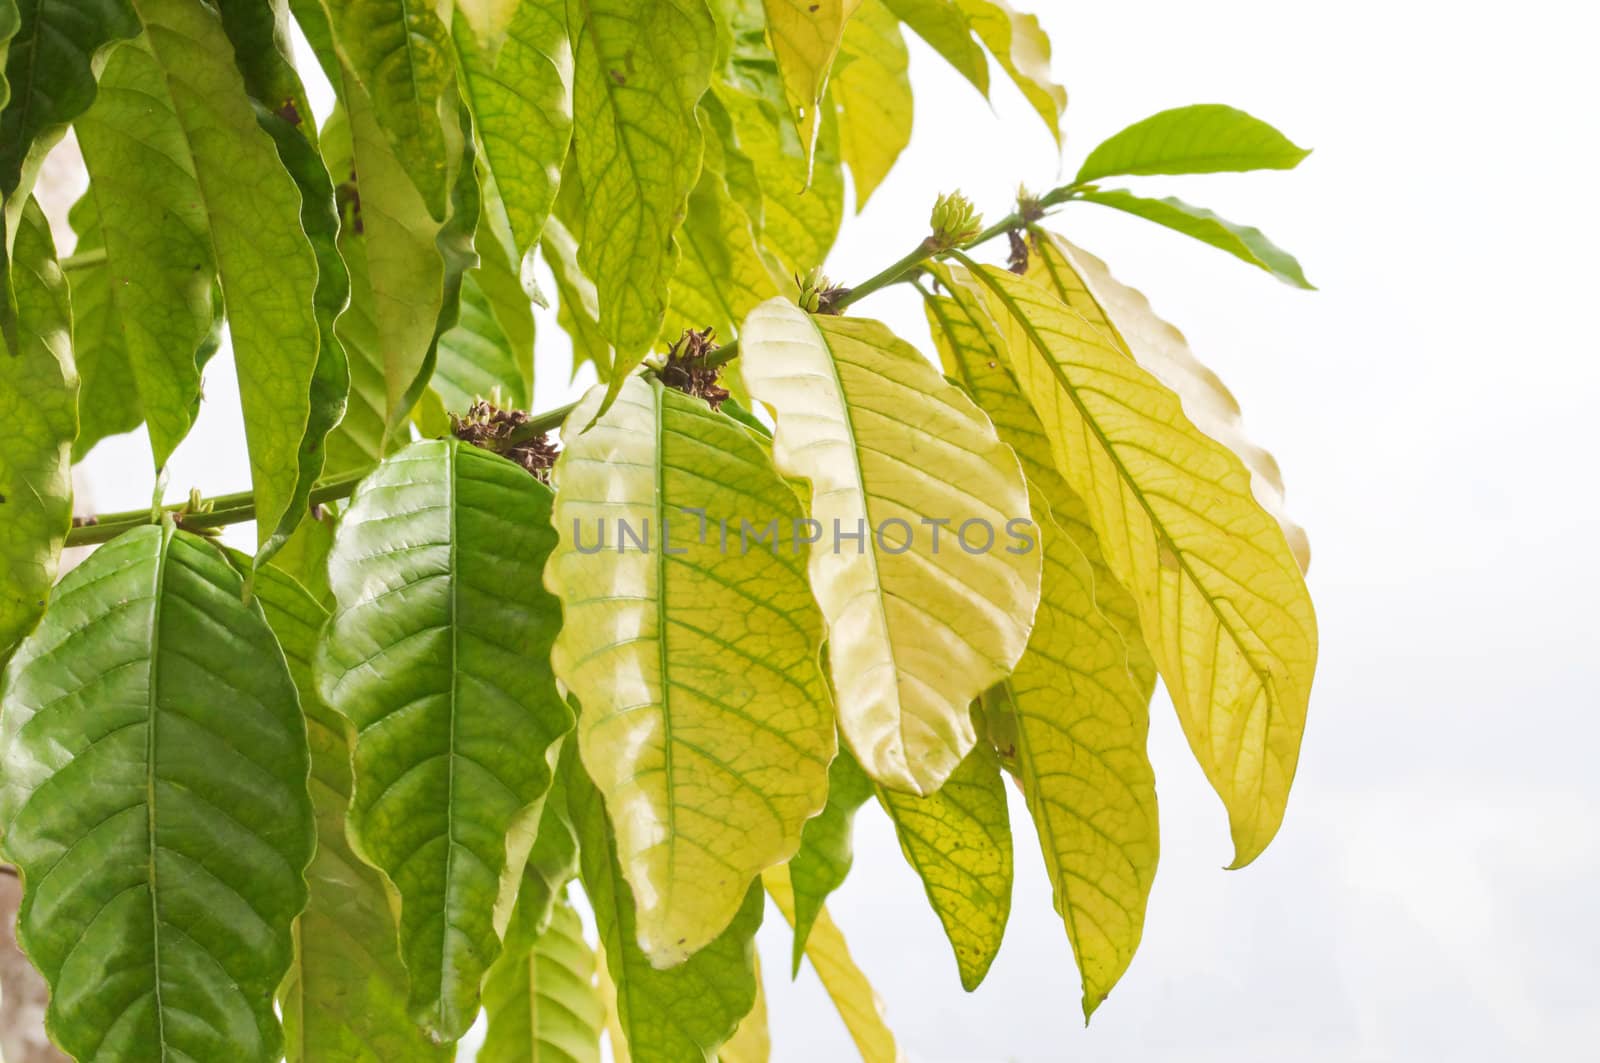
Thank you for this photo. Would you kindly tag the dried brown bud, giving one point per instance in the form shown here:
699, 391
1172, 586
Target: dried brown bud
1017, 261
491, 428
687, 371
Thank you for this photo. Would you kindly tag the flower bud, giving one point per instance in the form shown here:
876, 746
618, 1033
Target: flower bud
955, 220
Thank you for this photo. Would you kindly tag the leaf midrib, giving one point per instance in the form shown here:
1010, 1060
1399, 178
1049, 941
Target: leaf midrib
451, 452
871, 551
1262, 675
152, 702
657, 395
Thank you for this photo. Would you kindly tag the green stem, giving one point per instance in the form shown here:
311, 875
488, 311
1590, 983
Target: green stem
83, 259
240, 506
223, 509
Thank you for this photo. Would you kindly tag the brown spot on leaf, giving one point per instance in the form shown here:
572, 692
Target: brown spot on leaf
288, 112
618, 76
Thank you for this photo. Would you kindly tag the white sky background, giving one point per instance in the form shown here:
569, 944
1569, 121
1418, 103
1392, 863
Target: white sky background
1431, 895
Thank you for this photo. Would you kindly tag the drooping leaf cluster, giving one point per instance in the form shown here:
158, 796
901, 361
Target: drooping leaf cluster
333, 799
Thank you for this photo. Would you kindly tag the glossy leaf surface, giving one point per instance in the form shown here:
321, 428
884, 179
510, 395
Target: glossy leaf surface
174, 126
436, 657
155, 801
915, 632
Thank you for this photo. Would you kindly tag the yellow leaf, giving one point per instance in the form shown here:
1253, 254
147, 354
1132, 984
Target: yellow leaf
1078, 720
1221, 598
608, 998
489, 20
974, 353
857, 1002
916, 630
805, 36
798, 228
873, 95
705, 720
958, 841
1084, 283
1021, 47
721, 274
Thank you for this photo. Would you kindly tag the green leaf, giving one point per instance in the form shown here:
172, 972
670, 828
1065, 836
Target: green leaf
108, 396
1240, 241
641, 67
414, 265
1084, 283
262, 50
1183, 532
944, 26
974, 355
1203, 138
752, 1041
1075, 719
476, 356
436, 656
872, 92
857, 1002
521, 101
705, 718
542, 1001
797, 228
174, 126
10, 22
577, 305
400, 53
916, 632
50, 66
958, 840
721, 275
38, 406
826, 851
155, 800
1022, 49
553, 860
805, 37
666, 1015
358, 440
304, 558
499, 279
143, 209
345, 996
